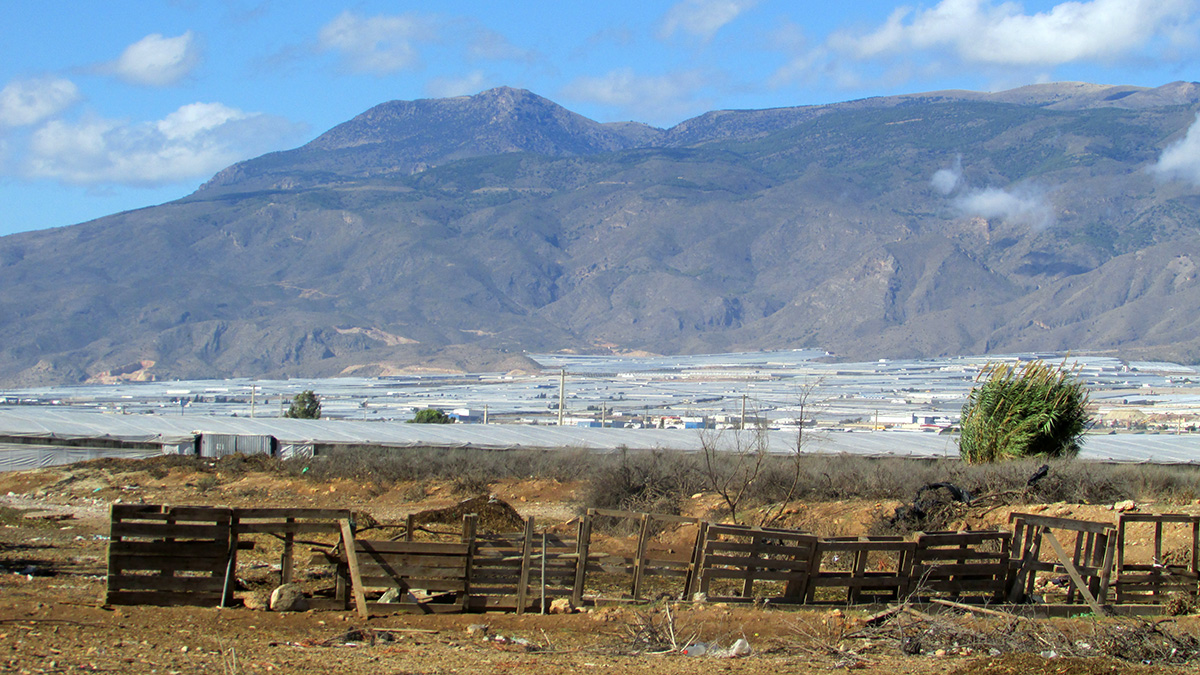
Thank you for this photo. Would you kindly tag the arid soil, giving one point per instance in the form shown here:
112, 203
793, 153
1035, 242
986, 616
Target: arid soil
52, 564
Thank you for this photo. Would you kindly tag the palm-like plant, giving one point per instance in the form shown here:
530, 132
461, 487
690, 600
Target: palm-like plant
1029, 410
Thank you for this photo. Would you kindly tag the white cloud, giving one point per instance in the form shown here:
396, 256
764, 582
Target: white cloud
193, 142
377, 44
644, 97
981, 31
157, 61
945, 180
1181, 160
489, 45
471, 83
701, 18
25, 102
1017, 207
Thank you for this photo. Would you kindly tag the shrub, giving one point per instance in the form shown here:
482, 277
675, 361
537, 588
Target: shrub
431, 416
1035, 410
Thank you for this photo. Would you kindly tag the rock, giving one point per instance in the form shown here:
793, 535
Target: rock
256, 600
288, 598
477, 629
390, 595
699, 597
562, 606
1127, 505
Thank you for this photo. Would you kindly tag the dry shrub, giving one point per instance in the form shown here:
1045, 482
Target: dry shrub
654, 482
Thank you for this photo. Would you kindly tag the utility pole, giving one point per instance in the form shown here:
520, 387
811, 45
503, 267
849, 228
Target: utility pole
485, 413
742, 426
253, 391
562, 394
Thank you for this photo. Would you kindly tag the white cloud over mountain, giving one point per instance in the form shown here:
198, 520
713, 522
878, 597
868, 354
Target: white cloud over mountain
378, 44
986, 32
1181, 159
192, 142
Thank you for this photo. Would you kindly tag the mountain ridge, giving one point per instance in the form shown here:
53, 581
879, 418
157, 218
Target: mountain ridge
457, 234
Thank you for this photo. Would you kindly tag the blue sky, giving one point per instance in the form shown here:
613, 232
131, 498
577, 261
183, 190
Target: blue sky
112, 106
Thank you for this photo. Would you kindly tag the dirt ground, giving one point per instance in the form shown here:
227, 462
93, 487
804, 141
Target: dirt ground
52, 563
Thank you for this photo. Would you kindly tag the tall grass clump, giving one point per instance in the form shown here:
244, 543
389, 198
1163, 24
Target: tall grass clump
1030, 410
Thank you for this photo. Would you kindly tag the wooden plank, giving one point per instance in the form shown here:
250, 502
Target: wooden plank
163, 598
403, 560
157, 531
1156, 518
757, 575
356, 588
583, 544
712, 561
178, 549
762, 548
126, 563
118, 511
526, 551
1072, 524
955, 569
299, 514
370, 582
1073, 573
395, 547
376, 569
206, 584
290, 528
639, 559
927, 540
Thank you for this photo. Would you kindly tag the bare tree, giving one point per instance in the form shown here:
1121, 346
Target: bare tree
733, 462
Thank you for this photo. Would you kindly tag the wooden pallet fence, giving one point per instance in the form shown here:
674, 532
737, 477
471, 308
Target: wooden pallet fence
1087, 568
285, 524
520, 571
1165, 573
651, 564
963, 566
766, 563
161, 555
865, 569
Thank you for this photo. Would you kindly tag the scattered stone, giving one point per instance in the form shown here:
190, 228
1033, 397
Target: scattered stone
477, 629
257, 600
699, 597
562, 606
288, 598
1127, 505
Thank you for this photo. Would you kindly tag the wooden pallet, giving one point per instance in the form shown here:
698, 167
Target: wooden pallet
1088, 568
1157, 579
963, 566
161, 555
868, 569
771, 564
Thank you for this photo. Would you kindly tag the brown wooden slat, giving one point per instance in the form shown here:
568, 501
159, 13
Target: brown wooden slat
758, 575
284, 513
156, 583
373, 570
285, 528
400, 560
372, 582
392, 547
163, 598
167, 563
712, 561
157, 531
1095, 527
176, 549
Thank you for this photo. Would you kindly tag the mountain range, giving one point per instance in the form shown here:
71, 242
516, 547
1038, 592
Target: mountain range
459, 234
